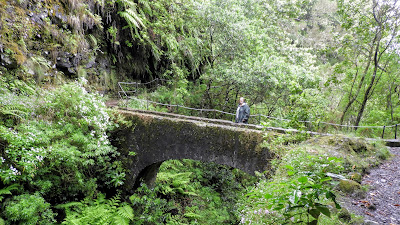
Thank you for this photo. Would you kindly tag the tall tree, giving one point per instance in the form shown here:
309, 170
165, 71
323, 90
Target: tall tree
371, 31
253, 54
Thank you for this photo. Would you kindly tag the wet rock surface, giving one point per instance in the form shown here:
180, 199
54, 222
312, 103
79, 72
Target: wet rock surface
381, 204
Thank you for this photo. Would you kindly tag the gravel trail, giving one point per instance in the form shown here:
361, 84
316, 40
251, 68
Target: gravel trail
381, 204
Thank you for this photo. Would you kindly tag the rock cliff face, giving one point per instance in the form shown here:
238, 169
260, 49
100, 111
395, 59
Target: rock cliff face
52, 40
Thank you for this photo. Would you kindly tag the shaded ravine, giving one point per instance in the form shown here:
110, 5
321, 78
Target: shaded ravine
381, 204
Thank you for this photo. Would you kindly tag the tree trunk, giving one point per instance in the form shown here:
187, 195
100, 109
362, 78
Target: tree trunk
372, 82
352, 98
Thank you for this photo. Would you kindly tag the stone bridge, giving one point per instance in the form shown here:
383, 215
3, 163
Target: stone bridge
150, 138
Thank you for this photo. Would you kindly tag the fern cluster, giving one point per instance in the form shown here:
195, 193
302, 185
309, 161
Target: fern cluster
100, 211
15, 101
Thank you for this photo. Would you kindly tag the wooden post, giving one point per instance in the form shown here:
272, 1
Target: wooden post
383, 131
395, 132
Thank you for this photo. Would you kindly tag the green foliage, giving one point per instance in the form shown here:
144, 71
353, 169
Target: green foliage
130, 15
168, 32
113, 31
7, 190
40, 66
147, 207
300, 198
367, 46
100, 211
301, 192
62, 150
54, 145
209, 195
16, 105
174, 184
29, 209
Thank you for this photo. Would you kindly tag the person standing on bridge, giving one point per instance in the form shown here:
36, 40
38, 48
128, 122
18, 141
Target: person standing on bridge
242, 112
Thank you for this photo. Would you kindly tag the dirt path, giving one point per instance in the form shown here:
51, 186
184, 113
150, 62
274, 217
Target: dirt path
382, 201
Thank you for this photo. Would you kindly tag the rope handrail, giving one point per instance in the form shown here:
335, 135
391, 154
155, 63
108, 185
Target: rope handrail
140, 83
256, 115
233, 114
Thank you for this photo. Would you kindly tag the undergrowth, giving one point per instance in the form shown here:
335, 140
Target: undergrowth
54, 146
304, 187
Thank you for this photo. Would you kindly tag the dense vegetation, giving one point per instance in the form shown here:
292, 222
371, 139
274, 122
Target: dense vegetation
316, 60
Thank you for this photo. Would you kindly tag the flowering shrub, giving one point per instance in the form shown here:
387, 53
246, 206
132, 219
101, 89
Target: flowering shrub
63, 149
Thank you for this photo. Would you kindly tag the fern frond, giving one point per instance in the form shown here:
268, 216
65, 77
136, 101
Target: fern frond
126, 212
114, 202
132, 18
93, 41
176, 162
74, 221
128, 3
119, 220
146, 7
16, 110
192, 215
104, 216
100, 199
7, 190
69, 204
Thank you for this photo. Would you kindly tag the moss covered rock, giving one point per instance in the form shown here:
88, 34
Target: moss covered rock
355, 176
344, 215
349, 186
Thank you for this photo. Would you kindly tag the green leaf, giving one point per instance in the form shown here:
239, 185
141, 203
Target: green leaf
268, 196
290, 172
314, 222
279, 207
303, 180
330, 195
289, 167
314, 213
324, 210
325, 179
294, 198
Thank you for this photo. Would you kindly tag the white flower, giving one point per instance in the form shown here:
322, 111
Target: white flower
39, 158
14, 171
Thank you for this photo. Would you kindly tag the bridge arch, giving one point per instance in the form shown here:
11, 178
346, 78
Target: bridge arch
148, 139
